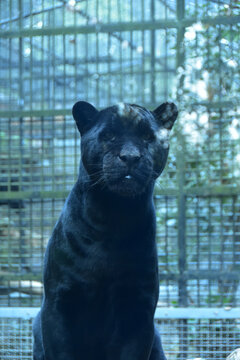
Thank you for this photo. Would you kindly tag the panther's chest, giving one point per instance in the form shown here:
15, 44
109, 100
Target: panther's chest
115, 255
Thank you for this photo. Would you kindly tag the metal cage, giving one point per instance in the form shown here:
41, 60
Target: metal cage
53, 53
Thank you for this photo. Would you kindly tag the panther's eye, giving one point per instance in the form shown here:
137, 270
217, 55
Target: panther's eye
108, 136
147, 136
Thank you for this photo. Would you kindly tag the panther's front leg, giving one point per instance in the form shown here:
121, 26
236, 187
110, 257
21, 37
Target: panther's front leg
133, 337
157, 352
56, 336
144, 346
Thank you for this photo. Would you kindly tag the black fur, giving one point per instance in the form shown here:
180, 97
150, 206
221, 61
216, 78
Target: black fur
101, 269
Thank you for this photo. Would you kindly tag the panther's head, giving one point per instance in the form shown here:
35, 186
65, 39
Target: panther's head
124, 148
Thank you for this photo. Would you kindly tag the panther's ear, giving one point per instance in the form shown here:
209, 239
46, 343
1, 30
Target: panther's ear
85, 115
166, 114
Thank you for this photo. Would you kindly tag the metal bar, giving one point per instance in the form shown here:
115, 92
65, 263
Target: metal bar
202, 275
109, 62
210, 245
197, 313
89, 29
198, 249
9, 195
80, 61
86, 67
203, 191
143, 59
120, 27
18, 312
21, 214
97, 97
120, 70
182, 284
219, 190
64, 112
161, 313
153, 55
167, 268
34, 113
236, 245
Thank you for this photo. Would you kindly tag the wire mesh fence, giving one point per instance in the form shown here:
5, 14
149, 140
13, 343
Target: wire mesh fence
185, 335
53, 53
199, 243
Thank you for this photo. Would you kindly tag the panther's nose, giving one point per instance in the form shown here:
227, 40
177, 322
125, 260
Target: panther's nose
129, 154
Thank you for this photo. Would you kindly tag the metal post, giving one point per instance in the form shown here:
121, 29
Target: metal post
21, 211
182, 282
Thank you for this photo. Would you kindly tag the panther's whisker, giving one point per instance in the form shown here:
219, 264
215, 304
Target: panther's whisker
99, 181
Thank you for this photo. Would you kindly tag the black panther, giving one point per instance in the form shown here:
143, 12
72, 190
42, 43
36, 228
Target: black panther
101, 271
